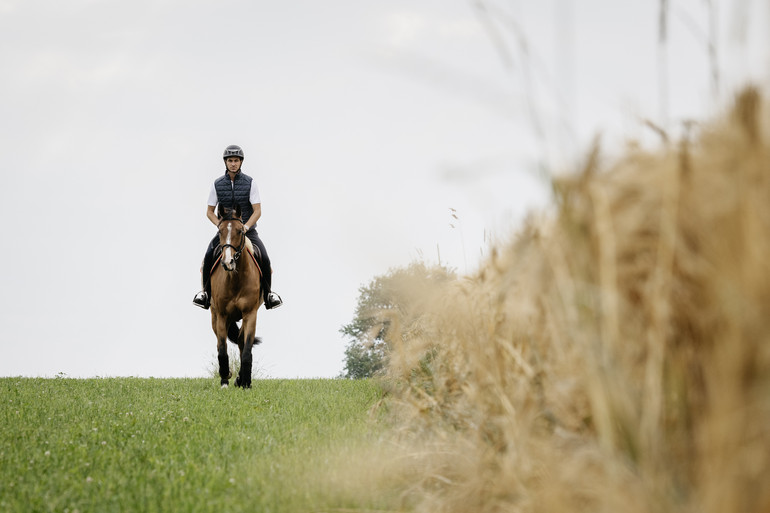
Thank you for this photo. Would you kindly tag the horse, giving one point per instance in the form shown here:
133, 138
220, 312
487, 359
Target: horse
235, 294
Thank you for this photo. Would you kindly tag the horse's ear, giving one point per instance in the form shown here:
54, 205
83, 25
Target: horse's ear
237, 211
219, 212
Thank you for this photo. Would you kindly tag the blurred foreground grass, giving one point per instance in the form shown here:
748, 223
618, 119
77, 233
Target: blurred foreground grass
614, 355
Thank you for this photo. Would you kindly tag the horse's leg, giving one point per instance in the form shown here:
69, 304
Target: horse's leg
246, 341
239, 340
220, 329
234, 335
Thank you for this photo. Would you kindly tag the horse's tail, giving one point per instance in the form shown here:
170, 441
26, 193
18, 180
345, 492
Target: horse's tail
233, 331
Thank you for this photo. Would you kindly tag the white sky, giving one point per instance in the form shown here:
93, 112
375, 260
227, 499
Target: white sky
363, 123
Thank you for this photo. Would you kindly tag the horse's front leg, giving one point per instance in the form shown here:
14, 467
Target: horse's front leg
246, 342
220, 329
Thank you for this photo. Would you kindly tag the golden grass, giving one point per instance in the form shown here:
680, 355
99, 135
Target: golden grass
616, 355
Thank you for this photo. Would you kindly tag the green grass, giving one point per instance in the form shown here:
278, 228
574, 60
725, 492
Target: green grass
130, 444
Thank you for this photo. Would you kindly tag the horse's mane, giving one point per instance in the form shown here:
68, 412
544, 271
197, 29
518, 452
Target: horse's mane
230, 214
234, 214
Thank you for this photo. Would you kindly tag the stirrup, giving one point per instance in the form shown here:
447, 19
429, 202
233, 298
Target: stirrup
201, 299
273, 301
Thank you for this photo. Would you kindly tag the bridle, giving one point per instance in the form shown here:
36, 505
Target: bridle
238, 250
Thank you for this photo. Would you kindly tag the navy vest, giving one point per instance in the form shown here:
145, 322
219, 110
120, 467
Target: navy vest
236, 192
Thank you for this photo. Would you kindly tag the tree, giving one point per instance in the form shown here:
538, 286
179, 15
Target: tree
367, 351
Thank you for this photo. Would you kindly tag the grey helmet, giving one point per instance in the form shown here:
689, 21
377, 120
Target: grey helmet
233, 151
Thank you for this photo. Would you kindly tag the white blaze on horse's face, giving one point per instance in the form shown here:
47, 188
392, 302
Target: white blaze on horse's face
228, 257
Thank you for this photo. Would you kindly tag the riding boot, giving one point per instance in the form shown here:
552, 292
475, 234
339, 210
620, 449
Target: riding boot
272, 300
203, 298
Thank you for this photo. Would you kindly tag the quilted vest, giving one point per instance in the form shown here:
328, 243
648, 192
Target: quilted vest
236, 192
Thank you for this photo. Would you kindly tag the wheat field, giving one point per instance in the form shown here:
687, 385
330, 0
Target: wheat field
615, 355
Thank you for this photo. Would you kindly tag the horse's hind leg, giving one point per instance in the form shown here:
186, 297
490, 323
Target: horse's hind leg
239, 341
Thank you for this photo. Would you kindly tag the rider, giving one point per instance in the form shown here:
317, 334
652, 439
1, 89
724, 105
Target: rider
231, 189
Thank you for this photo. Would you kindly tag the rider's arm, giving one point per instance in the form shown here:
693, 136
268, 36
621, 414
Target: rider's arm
256, 204
211, 215
211, 205
255, 216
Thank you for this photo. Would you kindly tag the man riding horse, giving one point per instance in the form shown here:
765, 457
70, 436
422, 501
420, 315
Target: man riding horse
232, 189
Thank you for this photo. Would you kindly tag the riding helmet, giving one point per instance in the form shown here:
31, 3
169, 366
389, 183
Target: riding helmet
233, 151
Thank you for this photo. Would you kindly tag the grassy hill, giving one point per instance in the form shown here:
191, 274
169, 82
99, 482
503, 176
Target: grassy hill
160, 445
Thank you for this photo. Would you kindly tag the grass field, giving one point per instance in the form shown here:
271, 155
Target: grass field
130, 444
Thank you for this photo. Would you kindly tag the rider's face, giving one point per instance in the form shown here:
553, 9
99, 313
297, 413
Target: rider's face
233, 164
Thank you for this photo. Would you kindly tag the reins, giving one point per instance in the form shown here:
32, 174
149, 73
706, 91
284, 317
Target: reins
238, 251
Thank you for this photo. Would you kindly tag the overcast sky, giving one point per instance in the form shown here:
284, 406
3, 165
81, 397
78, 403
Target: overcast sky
363, 122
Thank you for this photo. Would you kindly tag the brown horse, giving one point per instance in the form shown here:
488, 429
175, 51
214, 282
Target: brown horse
235, 294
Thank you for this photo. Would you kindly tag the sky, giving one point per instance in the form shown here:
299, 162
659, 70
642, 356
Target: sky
363, 123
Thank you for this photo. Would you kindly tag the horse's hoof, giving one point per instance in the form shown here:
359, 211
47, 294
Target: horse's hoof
240, 383
225, 385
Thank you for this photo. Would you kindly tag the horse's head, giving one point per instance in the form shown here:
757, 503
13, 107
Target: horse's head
232, 237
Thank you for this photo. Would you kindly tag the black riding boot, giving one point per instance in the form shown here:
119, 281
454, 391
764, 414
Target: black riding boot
203, 298
272, 300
